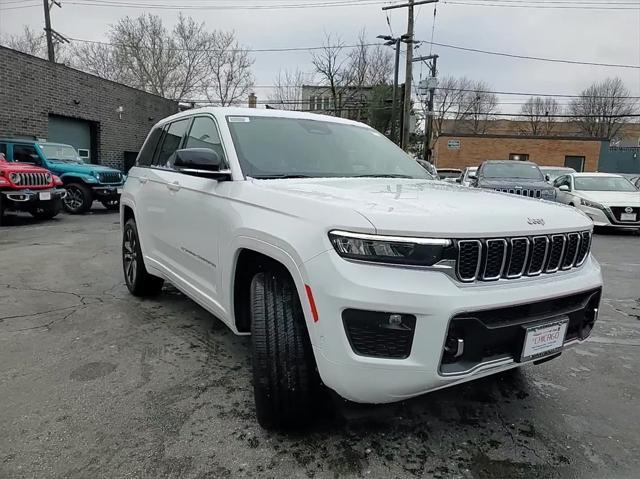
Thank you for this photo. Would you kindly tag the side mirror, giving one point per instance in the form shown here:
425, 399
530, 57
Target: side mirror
564, 188
547, 177
199, 162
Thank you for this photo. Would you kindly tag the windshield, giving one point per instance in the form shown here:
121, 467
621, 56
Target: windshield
271, 147
554, 173
61, 153
603, 183
512, 170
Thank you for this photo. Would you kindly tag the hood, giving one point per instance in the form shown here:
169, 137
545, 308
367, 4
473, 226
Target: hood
513, 183
611, 198
16, 167
421, 207
83, 168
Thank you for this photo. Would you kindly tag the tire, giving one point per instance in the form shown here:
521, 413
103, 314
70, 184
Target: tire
47, 212
138, 280
78, 199
113, 205
285, 380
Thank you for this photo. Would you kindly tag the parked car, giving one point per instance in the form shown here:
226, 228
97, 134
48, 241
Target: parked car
348, 265
29, 188
522, 178
552, 172
469, 174
84, 182
608, 199
634, 178
450, 175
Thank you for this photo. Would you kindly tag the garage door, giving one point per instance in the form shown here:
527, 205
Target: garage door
72, 132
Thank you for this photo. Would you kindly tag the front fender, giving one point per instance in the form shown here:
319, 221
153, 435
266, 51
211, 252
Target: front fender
75, 177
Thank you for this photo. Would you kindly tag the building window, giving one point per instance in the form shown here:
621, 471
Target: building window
519, 156
327, 103
575, 162
312, 103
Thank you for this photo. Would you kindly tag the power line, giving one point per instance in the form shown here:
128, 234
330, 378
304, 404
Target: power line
443, 45
584, 6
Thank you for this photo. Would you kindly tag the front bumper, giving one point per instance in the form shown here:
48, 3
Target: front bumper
25, 200
107, 192
434, 299
607, 218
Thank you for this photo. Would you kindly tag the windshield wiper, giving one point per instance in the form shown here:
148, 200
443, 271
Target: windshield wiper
280, 177
381, 176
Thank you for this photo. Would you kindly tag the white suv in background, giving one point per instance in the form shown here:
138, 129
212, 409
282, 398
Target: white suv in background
348, 265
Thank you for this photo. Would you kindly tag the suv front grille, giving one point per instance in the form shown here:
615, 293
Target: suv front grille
513, 258
30, 179
110, 177
521, 192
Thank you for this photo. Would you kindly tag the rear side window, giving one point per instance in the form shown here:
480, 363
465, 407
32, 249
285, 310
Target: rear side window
171, 141
26, 154
145, 157
204, 134
3, 149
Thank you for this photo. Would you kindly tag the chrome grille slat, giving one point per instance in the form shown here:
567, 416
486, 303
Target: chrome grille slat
32, 179
512, 258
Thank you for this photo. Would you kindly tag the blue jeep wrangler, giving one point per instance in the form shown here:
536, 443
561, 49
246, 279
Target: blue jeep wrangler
84, 182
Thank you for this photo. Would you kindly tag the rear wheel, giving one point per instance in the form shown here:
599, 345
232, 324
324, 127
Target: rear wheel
285, 380
47, 211
78, 198
139, 281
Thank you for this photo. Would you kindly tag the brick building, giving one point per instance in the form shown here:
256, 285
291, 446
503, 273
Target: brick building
106, 121
460, 150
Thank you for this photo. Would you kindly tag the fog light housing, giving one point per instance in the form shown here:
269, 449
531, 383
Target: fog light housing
379, 334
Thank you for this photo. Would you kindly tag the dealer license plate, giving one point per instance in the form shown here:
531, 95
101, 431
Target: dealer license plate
45, 196
627, 217
543, 340
119, 191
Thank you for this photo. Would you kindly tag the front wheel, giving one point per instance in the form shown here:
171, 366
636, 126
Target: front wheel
78, 198
285, 380
47, 211
139, 281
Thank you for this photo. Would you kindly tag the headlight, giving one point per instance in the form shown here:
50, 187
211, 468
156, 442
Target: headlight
392, 249
591, 204
15, 178
97, 175
549, 193
47, 177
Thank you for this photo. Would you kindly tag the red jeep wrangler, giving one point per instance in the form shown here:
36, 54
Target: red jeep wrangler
26, 187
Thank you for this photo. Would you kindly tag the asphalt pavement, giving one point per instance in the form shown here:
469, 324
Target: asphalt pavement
96, 383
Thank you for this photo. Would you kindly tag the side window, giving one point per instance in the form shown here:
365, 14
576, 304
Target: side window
204, 134
3, 149
171, 141
145, 157
562, 181
26, 154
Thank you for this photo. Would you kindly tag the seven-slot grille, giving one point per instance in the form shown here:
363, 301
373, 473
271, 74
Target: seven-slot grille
510, 258
110, 177
521, 192
31, 179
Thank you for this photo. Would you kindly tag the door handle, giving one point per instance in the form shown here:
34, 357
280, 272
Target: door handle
175, 186
143, 179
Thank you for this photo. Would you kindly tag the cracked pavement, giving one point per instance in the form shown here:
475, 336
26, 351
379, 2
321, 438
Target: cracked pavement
96, 383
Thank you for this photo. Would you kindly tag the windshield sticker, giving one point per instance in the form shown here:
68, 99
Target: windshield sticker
239, 119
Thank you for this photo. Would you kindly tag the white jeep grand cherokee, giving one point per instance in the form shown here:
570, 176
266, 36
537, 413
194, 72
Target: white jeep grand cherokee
346, 262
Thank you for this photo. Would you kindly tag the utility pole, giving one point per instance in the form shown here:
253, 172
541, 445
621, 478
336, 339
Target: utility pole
390, 41
406, 113
49, 32
428, 126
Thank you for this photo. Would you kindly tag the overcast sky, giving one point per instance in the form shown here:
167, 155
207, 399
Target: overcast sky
587, 35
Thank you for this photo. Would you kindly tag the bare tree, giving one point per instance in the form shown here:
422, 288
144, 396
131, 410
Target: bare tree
539, 115
331, 64
28, 41
602, 109
380, 66
477, 107
98, 59
449, 101
287, 92
231, 78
